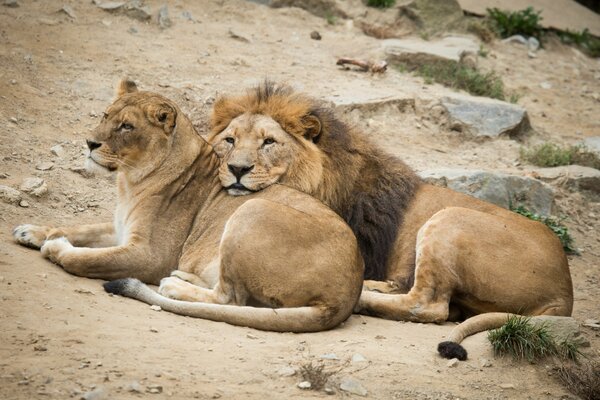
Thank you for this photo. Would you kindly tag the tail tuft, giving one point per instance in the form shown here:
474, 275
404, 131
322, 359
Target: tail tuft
123, 287
452, 350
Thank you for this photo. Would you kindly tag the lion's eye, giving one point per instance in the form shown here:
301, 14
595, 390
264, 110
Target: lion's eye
269, 141
230, 140
127, 127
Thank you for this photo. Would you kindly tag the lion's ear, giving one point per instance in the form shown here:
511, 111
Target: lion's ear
126, 86
312, 127
163, 115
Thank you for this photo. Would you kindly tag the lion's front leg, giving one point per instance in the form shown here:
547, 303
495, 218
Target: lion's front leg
135, 261
91, 235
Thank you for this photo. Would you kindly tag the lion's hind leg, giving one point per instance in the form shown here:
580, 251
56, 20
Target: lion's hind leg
176, 288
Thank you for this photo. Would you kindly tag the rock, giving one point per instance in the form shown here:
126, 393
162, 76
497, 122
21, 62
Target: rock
353, 386
507, 386
286, 371
45, 166
592, 323
415, 52
546, 85
34, 186
574, 177
109, 5
484, 117
251, 336
592, 143
329, 356
133, 8
357, 358
155, 307
153, 330
304, 385
97, 394
10, 3
69, 11
24, 204
533, 44
485, 363
315, 35
134, 387
520, 39
163, 17
9, 195
329, 390
452, 363
497, 188
154, 389
57, 150
187, 16
560, 328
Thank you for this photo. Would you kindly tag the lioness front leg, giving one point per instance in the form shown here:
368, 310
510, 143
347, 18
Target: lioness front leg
131, 260
91, 235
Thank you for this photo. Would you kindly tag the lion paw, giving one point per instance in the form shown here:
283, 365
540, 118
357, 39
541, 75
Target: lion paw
29, 235
175, 288
55, 249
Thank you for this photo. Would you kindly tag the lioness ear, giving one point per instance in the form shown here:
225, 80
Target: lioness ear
163, 115
312, 127
126, 86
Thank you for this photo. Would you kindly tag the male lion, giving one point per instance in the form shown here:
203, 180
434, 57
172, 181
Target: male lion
455, 255
279, 248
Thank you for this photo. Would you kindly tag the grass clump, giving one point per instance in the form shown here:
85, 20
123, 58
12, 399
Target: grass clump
460, 76
525, 22
315, 374
588, 43
553, 155
582, 380
555, 226
381, 3
522, 340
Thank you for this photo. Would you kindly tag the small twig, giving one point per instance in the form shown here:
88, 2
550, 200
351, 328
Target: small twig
375, 67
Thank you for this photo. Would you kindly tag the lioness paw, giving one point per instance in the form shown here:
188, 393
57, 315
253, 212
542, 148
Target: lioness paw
175, 288
55, 249
29, 235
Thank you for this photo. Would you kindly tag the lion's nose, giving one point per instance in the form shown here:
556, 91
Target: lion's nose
93, 145
239, 170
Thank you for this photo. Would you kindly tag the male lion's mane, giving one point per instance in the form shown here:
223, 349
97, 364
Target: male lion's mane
368, 188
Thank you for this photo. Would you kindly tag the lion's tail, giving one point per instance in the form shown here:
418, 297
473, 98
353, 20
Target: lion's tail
297, 319
451, 348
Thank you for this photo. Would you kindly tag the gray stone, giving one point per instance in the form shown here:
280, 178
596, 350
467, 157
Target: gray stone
9, 195
414, 51
500, 189
24, 204
69, 11
452, 363
10, 3
560, 328
34, 186
57, 150
163, 17
520, 39
357, 358
329, 356
353, 386
573, 176
304, 385
592, 143
483, 117
507, 386
109, 5
154, 389
134, 387
45, 166
286, 371
485, 363
97, 394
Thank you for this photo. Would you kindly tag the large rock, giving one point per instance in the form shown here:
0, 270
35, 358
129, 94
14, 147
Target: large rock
483, 117
415, 51
34, 186
9, 195
560, 328
500, 189
572, 176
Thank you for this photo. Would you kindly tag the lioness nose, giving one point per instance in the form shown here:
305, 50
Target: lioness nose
93, 145
239, 171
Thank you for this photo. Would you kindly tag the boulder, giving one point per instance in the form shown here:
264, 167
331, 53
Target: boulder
9, 195
501, 189
484, 117
574, 177
560, 328
415, 51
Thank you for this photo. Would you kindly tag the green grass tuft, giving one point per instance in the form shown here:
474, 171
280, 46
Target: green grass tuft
554, 224
589, 44
381, 3
522, 340
525, 22
553, 155
459, 76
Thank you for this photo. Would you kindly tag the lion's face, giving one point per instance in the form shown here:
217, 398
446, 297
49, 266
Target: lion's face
134, 133
256, 152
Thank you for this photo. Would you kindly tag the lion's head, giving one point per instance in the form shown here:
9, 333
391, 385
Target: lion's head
135, 132
267, 136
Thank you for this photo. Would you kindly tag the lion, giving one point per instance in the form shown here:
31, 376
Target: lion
280, 250
446, 255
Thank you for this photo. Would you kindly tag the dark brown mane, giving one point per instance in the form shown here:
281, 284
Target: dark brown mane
369, 188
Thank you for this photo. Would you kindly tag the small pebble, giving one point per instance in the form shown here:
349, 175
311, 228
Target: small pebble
315, 35
452, 363
304, 385
155, 307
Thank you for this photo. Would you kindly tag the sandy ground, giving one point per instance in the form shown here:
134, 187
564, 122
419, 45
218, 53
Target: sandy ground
62, 336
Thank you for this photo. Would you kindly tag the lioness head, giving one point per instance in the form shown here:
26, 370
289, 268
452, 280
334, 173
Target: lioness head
265, 137
135, 132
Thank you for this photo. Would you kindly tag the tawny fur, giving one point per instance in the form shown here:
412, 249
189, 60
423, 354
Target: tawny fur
438, 246
279, 248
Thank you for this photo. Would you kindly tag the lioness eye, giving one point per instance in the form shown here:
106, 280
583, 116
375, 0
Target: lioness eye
126, 126
269, 141
230, 140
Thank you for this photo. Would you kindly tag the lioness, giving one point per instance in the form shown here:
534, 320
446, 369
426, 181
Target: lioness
279, 248
449, 251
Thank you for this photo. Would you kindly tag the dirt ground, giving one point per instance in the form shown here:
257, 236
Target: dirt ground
61, 336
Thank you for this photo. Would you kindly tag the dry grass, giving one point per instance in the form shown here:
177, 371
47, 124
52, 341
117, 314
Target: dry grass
315, 374
582, 380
